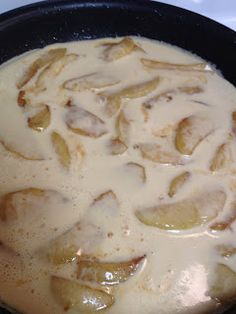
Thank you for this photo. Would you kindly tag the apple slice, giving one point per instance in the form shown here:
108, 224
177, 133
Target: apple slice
226, 250
223, 284
21, 98
15, 204
115, 51
190, 90
48, 57
108, 196
41, 120
107, 273
185, 214
18, 154
159, 65
178, 182
53, 70
90, 81
190, 132
72, 295
122, 127
117, 147
222, 158
138, 169
225, 223
156, 153
85, 123
61, 149
113, 104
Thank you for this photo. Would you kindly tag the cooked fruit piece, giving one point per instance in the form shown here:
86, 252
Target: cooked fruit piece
186, 214
62, 255
41, 120
178, 182
113, 104
190, 132
10, 209
48, 57
72, 295
226, 223
223, 285
106, 196
156, 153
138, 169
117, 147
21, 101
122, 127
90, 81
234, 122
85, 123
226, 251
107, 273
155, 64
61, 149
52, 70
223, 157
18, 154
114, 51
191, 90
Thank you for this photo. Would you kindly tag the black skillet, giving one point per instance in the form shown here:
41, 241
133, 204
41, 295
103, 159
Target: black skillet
49, 22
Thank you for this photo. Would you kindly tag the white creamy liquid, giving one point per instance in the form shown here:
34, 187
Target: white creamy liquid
175, 275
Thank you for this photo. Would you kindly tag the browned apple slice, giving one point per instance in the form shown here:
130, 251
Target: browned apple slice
107, 273
226, 250
156, 153
226, 223
62, 149
53, 70
178, 182
122, 127
106, 196
41, 120
234, 122
138, 169
222, 158
117, 147
15, 203
72, 295
185, 214
84, 122
90, 81
48, 57
194, 67
190, 132
21, 101
18, 154
115, 51
223, 284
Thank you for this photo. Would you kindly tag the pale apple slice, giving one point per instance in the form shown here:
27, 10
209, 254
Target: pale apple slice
190, 132
46, 58
115, 51
177, 183
225, 223
156, 153
15, 204
122, 127
61, 149
226, 250
84, 122
41, 120
19, 154
53, 70
113, 104
90, 81
138, 169
223, 284
72, 295
159, 65
185, 214
190, 90
107, 273
223, 157
108, 196
117, 147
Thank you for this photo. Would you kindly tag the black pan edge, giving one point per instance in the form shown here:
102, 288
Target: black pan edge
52, 21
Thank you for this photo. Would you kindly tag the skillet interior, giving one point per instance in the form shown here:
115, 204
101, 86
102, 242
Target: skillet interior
48, 22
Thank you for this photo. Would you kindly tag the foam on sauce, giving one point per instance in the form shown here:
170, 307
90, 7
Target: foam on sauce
176, 274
